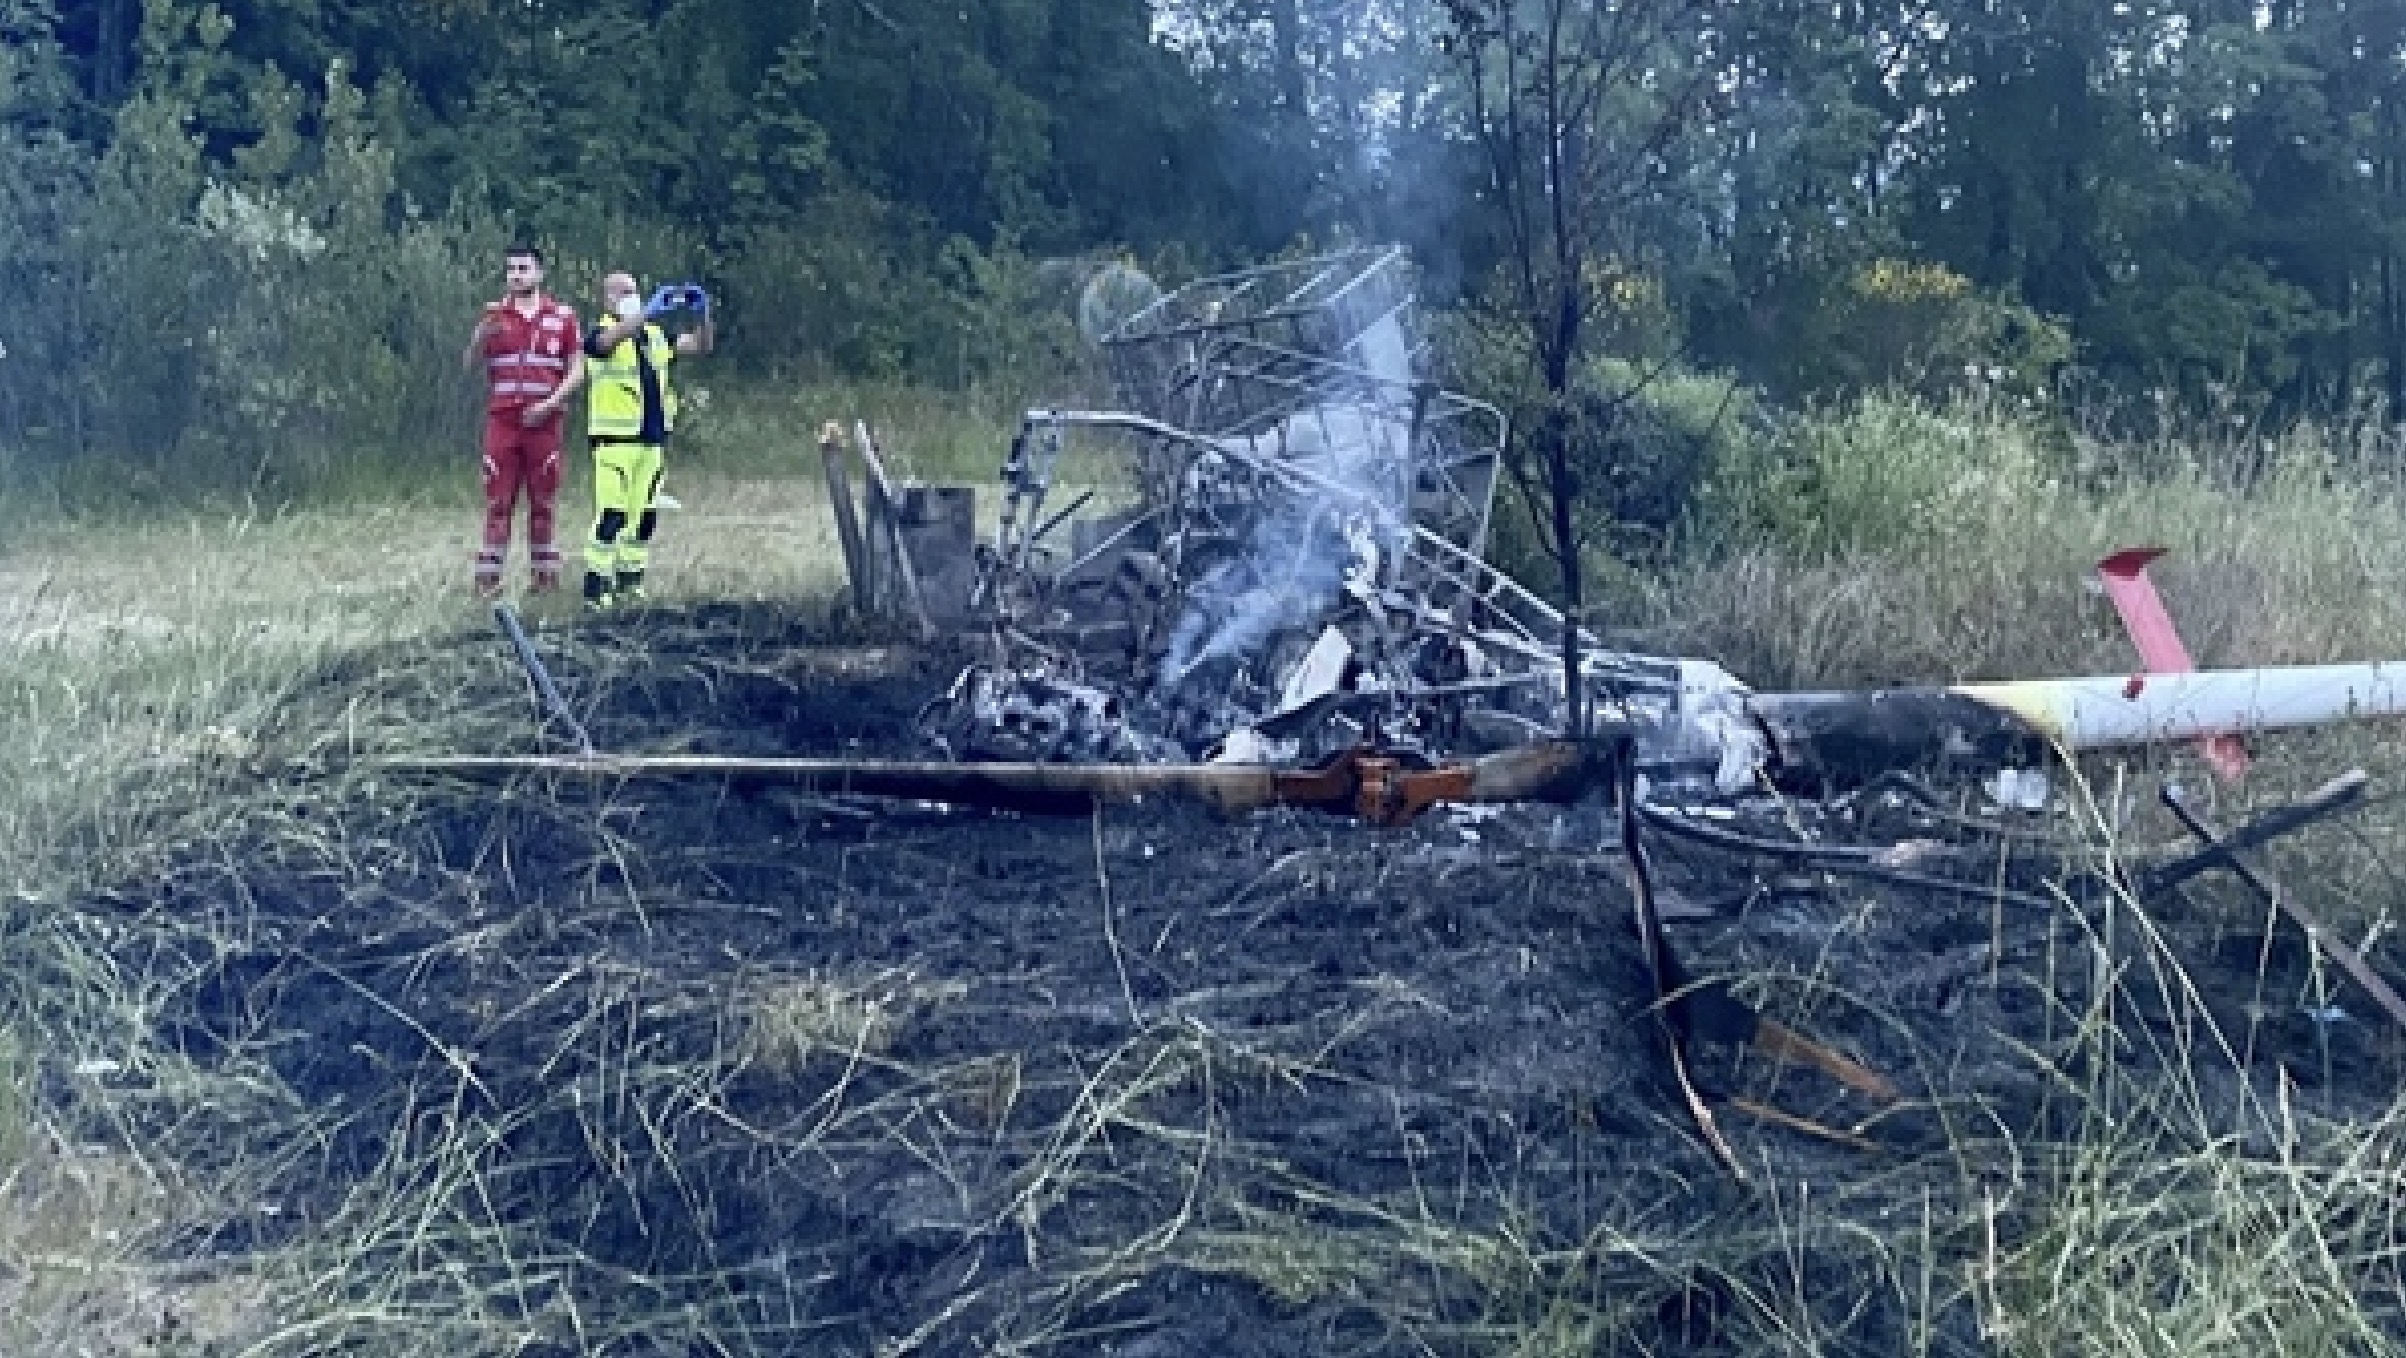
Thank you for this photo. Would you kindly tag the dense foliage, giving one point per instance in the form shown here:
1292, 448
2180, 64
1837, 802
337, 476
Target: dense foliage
246, 233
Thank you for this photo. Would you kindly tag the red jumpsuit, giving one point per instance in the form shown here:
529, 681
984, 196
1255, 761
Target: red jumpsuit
526, 359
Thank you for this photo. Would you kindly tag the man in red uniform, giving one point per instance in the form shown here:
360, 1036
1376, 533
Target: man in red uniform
531, 353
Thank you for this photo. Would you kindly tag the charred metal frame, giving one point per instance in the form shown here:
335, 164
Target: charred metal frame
1269, 413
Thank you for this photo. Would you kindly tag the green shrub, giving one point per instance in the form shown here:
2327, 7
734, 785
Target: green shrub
1924, 328
1646, 442
1658, 440
858, 288
1884, 472
263, 332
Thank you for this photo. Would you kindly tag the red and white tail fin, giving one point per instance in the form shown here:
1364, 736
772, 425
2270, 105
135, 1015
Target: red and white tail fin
2159, 643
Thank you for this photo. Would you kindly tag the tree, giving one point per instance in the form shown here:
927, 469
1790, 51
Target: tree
44, 183
1256, 59
2197, 188
1801, 167
1581, 108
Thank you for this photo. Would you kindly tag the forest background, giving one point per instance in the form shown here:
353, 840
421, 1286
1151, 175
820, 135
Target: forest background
242, 240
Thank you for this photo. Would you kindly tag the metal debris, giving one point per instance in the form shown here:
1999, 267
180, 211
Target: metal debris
547, 693
1304, 567
2228, 851
2331, 798
2124, 577
1377, 789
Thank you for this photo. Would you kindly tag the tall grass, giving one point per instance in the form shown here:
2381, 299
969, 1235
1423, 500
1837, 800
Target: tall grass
1899, 541
941, 437
143, 660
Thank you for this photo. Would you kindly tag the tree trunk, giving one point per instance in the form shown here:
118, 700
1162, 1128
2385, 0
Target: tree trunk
115, 51
1563, 488
1562, 481
2393, 287
1286, 29
2393, 336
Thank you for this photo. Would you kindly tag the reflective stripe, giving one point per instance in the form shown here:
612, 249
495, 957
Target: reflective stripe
525, 372
614, 390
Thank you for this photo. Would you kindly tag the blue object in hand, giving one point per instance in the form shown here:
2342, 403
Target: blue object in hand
697, 301
664, 301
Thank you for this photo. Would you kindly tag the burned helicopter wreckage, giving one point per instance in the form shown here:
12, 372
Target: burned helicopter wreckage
1304, 573
1296, 606
1304, 565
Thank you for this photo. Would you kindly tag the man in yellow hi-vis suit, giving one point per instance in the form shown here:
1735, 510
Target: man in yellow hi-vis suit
630, 408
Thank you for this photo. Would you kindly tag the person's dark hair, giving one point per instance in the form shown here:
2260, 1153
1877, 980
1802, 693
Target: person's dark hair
529, 251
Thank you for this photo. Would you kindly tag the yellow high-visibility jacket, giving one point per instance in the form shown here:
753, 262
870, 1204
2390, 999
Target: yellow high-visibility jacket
615, 407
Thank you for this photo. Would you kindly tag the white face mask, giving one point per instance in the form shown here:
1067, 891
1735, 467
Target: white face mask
629, 307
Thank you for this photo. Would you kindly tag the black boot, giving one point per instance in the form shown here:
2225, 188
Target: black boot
630, 586
597, 591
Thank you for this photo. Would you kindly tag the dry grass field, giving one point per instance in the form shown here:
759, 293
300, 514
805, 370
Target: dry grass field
299, 1058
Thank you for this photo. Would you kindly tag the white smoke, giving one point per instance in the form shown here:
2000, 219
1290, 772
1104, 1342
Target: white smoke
1293, 568
1114, 293
1305, 548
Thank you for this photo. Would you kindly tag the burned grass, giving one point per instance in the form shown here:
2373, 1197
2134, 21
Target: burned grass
564, 1067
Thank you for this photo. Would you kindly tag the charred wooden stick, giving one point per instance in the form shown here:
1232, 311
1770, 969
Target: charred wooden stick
1706, 1009
1807, 1126
2227, 849
2336, 795
553, 704
1054, 520
1688, 1008
1671, 1008
847, 522
1777, 1040
883, 488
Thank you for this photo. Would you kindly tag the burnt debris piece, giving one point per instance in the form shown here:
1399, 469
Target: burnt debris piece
1376, 789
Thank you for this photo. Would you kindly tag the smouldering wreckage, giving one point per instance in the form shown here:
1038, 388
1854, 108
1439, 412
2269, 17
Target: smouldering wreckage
1296, 607
1302, 585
